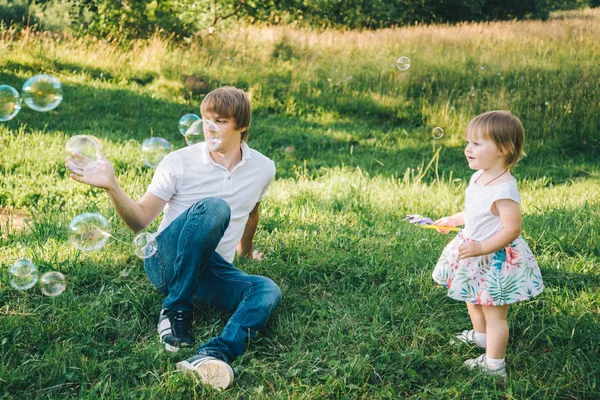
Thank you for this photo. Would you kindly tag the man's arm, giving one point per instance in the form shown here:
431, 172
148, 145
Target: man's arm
136, 215
245, 246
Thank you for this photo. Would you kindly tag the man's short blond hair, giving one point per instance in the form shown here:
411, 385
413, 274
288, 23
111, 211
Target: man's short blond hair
230, 102
502, 128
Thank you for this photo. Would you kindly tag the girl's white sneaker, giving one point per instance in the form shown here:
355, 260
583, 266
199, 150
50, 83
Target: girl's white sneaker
480, 363
468, 337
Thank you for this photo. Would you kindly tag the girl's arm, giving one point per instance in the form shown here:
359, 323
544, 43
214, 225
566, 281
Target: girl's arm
454, 220
510, 215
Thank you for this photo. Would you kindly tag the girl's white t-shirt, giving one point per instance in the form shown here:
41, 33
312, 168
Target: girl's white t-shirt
189, 175
480, 222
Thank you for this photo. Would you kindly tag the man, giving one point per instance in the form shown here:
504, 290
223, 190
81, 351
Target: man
210, 193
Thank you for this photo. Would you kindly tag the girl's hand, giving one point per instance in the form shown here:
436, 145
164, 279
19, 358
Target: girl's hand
470, 249
446, 222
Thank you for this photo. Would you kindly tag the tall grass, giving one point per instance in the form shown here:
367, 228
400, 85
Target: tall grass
351, 137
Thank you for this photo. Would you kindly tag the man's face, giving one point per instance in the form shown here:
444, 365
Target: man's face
227, 137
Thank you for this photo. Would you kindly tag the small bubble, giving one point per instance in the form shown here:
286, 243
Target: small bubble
144, 245
53, 283
403, 63
437, 133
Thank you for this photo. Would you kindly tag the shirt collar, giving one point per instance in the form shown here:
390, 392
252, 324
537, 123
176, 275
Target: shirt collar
207, 159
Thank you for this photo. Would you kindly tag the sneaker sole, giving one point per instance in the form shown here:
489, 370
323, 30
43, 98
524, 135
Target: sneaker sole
171, 349
211, 372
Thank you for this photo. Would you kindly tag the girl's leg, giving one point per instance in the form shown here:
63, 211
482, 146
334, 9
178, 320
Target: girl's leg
497, 330
477, 317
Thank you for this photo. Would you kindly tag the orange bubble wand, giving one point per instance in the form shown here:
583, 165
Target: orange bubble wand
427, 223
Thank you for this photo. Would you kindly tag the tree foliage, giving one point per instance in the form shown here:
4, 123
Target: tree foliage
184, 18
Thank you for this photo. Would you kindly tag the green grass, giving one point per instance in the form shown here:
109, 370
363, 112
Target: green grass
361, 316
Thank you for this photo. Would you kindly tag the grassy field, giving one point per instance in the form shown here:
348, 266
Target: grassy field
351, 137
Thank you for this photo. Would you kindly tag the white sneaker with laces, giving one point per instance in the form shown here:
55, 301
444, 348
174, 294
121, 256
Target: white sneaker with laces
468, 337
212, 371
480, 363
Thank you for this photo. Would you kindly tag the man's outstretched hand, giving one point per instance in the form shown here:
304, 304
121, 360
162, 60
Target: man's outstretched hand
100, 175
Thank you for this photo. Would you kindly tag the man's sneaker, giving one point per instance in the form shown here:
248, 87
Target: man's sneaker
174, 329
164, 325
212, 371
480, 363
467, 337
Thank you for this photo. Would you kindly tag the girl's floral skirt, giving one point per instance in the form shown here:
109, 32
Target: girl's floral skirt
504, 277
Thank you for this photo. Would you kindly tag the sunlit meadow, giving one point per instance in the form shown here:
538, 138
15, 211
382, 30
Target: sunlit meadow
351, 137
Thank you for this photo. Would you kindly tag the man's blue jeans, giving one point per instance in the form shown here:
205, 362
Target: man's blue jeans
186, 268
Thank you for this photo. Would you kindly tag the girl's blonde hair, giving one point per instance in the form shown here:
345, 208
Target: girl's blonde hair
504, 129
230, 102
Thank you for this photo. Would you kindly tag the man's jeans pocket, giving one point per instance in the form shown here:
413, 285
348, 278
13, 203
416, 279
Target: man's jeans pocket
156, 272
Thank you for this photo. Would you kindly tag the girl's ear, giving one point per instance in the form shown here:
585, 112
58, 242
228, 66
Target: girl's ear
501, 152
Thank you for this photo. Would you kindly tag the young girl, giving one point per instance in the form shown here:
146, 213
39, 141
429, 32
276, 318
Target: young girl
488, 264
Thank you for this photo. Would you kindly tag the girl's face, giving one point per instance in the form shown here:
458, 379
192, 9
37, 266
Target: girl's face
483, 153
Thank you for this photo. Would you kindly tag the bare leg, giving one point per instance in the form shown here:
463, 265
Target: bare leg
497, 330
477, 317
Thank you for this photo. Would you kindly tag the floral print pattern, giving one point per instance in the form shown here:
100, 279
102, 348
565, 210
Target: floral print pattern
506, 276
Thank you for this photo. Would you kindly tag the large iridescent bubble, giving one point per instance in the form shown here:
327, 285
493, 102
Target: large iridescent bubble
42, 93
89, 231
84, 151
186, 121
204, 130
10, 102
23, 274
154, 150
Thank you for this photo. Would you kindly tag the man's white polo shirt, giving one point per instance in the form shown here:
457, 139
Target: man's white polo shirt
189, 175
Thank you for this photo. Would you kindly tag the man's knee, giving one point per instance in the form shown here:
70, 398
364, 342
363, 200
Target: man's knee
213, 206
271, 293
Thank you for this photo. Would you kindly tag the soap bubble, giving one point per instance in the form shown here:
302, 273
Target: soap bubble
89, 231
84, 151
144, 245
437, 133
204, 130
53, 283
23, 274
186, 121
154, 150
10, 102
42, 93
403, 63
